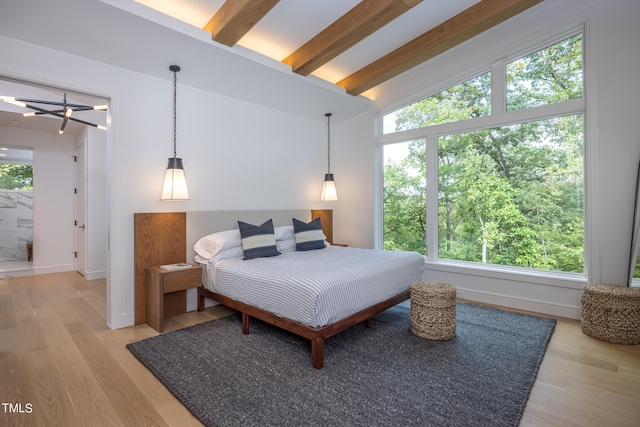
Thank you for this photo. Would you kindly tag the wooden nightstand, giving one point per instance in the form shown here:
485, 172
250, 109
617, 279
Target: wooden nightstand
166, 293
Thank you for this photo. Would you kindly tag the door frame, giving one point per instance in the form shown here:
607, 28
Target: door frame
113, 294
80, 204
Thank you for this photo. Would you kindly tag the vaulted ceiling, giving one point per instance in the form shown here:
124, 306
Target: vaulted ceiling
354, 44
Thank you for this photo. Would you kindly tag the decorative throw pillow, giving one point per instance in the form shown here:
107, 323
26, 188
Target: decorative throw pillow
308, 236
258, 241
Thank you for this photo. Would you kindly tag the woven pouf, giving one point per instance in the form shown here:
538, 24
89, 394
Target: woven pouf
433, 310
611, 313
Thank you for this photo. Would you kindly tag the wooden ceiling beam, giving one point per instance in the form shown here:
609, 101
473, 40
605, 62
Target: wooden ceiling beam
360, 22
235, 18
467, 24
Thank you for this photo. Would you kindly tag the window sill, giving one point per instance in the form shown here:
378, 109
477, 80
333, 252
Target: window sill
540, 277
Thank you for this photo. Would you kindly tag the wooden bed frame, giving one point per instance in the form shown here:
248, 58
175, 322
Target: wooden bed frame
176, 233
316, 335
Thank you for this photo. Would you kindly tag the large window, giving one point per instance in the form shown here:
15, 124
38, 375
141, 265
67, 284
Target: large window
506, 174
513, 195
464, 101
404, 196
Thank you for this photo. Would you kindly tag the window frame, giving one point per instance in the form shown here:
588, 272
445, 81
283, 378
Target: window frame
499, 117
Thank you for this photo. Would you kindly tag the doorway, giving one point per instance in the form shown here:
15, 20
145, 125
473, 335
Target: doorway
16, 208
56, 237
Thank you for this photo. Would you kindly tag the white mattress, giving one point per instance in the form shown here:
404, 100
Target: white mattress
316, 287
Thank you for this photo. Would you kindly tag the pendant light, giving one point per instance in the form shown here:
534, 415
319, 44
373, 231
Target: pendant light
329, 192
175, 184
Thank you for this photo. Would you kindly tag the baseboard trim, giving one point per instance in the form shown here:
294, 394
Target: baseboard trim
94, 275
542, 307
126, 320
53, 269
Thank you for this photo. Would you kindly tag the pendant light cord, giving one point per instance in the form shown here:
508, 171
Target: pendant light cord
328, 142
175, 91
175, 69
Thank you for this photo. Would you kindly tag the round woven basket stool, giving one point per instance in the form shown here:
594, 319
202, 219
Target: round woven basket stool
611, 313
433, 310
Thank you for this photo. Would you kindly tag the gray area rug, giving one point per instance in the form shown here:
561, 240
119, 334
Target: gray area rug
381, 376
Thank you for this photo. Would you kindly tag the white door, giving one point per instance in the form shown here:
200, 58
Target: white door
80, 214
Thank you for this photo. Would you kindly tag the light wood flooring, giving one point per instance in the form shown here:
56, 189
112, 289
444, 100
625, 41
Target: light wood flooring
61, 364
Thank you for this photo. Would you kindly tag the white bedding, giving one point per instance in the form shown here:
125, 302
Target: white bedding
316, 287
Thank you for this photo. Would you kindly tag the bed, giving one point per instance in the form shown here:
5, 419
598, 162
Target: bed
314, 293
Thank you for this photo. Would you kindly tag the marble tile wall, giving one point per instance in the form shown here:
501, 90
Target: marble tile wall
16, 224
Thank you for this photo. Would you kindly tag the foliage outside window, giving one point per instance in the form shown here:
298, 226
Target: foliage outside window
510, 194
16, 177
404, 197
514, 195
551, 75
464, 101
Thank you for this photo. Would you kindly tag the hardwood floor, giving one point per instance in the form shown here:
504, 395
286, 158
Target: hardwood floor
60, 365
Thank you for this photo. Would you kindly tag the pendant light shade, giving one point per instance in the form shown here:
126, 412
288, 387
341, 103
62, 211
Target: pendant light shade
175, 183
329, 192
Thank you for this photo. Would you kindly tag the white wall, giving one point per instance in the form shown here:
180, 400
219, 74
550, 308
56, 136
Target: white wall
612, 132
352, 160
53, 196
237, 155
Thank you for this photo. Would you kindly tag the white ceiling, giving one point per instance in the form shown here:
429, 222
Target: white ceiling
291, 23
15, 155
165, 32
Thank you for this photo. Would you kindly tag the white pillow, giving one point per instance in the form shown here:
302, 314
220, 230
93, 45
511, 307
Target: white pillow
284, 232
209, 246
288, 245
235, 252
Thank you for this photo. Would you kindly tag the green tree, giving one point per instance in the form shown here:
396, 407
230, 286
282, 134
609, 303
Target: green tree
404, 208
16, 177
511, 195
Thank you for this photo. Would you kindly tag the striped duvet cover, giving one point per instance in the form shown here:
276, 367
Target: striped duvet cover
317, 287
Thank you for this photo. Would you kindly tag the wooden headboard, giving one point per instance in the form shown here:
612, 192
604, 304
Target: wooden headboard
158, 239
201, 223
168, 237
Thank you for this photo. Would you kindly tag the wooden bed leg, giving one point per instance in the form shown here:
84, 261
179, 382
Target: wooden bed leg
317, 352
200, 302
245, 323
367, 323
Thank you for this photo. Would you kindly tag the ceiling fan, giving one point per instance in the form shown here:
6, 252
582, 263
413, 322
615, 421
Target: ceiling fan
65, 111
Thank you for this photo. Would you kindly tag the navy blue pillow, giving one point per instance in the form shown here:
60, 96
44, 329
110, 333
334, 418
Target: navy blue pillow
308, 236
258, 241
